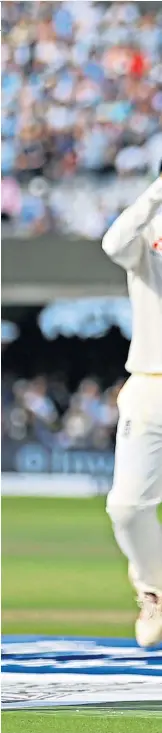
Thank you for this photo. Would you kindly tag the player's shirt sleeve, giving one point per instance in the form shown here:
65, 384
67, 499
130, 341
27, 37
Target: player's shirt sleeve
125, 239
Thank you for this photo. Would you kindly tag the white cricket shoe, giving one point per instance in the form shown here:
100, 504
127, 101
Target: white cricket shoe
148, 626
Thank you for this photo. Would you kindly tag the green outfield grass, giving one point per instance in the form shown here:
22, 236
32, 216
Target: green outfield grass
25, 722
62, 572
61, 569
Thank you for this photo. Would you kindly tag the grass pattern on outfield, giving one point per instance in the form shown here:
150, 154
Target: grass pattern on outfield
59, 555
18, 722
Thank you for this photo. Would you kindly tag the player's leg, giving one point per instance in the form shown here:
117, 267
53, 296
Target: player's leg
137, 488
132, 505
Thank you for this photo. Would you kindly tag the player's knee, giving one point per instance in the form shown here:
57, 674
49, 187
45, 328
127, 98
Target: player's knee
120, 513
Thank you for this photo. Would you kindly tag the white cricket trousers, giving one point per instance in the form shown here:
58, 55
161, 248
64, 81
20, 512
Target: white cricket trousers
137, 487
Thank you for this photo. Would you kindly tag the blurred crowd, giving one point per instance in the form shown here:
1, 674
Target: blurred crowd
44, 411
81, 100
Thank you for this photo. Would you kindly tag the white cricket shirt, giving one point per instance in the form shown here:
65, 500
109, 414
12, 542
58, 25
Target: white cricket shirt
135, 242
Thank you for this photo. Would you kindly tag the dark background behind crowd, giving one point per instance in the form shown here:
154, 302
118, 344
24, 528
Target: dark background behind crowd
61, 393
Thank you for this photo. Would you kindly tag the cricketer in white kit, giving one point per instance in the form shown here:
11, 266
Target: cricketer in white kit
135, 242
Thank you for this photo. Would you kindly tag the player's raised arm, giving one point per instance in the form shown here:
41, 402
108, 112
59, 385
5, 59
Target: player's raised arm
124, 240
